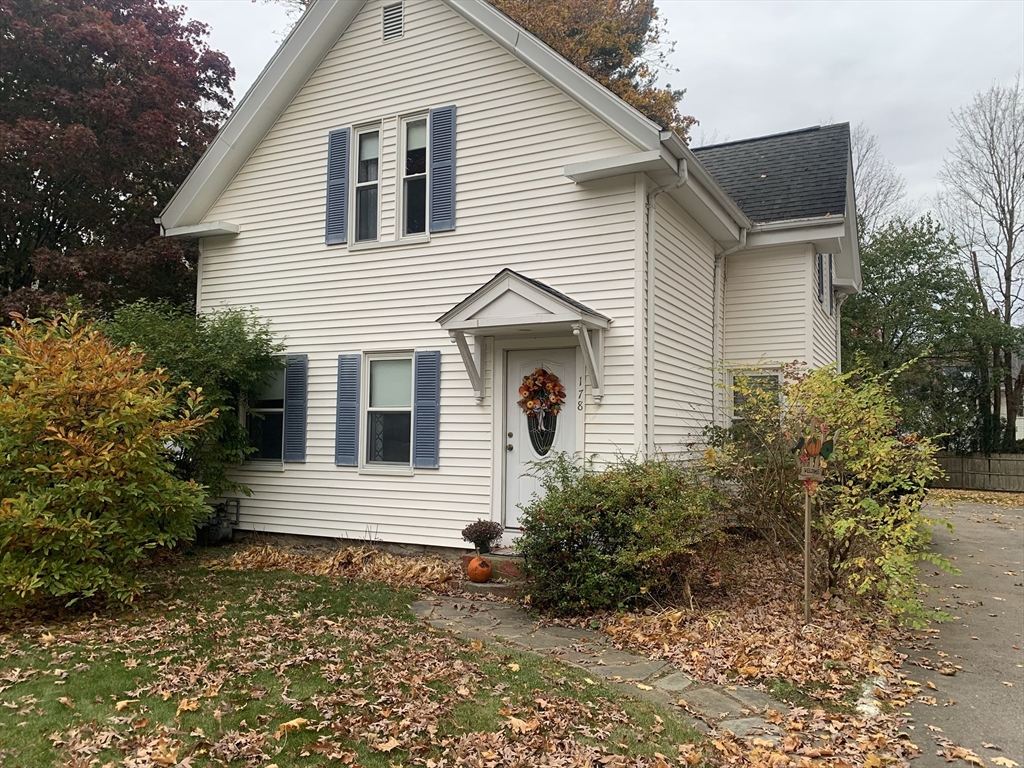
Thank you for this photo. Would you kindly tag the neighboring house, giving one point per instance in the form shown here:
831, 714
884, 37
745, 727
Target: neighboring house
428, 204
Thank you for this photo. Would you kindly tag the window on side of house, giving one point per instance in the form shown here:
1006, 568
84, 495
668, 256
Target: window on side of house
367, 188
413, 168
264, 420
389, 410
758, 382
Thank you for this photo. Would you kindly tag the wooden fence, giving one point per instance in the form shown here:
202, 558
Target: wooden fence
977, 472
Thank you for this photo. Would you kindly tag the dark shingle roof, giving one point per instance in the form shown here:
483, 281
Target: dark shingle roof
794, 175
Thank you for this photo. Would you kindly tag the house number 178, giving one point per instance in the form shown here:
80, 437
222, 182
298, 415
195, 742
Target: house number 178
579, 397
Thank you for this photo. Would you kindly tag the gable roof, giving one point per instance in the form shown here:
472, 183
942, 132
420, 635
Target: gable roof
318, 30
794, 175
538, 298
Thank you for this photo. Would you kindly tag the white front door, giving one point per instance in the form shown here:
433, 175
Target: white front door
523, 450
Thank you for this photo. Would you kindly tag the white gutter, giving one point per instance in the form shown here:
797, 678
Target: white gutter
652, 199
678, 148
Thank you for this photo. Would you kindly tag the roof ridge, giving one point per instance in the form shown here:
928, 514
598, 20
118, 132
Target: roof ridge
750, 139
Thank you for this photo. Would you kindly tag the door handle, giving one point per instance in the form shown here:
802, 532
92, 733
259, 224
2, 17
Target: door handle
508, 447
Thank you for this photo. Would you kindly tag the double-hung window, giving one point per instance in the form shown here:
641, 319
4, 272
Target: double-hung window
276, 419
413, 167
264, 420
423, 177
367, 192
389, 410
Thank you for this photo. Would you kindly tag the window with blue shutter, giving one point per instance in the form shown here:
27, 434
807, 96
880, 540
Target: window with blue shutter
346, 430
821, 277
442, 169
831, 289
295, 376
426, 411
337, 186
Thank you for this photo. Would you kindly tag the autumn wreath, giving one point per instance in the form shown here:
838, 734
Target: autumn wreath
541, 394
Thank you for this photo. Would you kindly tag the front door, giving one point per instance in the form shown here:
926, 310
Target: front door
531, 440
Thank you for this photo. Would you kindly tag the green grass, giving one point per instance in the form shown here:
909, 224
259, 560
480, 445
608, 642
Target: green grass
218, 666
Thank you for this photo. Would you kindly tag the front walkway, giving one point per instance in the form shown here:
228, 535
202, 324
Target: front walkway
705, 707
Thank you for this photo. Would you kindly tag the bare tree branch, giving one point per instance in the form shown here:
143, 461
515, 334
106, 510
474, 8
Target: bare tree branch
881, 191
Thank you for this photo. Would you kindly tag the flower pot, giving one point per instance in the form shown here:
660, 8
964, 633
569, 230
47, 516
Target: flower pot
479, 570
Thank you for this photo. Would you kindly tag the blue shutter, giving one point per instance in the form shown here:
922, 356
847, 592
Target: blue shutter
295, 408
426, 409
442, 169
831, 289
821, 277
337, 186
346, 428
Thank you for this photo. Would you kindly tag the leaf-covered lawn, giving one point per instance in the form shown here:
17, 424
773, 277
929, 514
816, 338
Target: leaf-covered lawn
276, 668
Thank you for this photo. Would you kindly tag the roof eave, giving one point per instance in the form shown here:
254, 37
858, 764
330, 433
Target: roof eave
292, 64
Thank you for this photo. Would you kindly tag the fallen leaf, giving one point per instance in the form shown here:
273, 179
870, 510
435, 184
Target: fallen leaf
387, 746
1005, 762
291, 725
187, 705
123, 704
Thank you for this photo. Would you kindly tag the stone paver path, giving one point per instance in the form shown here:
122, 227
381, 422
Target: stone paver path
705, 707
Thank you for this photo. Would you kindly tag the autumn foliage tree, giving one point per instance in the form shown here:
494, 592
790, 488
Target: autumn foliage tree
105, 105
87, 488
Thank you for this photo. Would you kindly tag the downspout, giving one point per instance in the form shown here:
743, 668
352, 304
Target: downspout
652, 198
716, 327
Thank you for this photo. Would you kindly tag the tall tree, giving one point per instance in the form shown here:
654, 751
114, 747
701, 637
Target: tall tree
881, 191
918, 302
105, 105
982, 203
619, 43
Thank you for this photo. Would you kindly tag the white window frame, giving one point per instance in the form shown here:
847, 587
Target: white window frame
403, 123
246, 409
752, 373
357, 134
377, 467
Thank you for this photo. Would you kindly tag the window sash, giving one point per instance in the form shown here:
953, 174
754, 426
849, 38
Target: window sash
367, 185
388, 441
413, 175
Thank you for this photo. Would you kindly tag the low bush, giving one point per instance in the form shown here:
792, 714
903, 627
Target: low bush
869, 532
597, 539
87, 491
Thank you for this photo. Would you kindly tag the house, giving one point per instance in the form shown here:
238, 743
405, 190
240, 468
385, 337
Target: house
430, 206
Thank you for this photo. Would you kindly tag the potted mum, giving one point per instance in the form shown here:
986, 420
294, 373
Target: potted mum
484, 534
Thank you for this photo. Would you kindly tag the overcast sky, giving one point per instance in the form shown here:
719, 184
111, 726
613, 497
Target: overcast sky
753, 67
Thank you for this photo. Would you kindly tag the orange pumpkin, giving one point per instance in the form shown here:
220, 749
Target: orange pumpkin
479, 570
813, 446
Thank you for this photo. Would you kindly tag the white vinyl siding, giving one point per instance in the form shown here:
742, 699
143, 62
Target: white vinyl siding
683, 353
516, 132
766, 305
824, 349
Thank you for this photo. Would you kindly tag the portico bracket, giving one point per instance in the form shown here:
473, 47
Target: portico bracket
589, 341
473, 360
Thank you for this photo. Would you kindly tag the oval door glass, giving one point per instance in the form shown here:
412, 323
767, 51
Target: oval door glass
542, 432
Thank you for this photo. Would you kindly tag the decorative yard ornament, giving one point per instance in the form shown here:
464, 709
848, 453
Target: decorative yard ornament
812, 451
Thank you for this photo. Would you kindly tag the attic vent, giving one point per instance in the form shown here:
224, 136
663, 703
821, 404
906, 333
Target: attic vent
394, 22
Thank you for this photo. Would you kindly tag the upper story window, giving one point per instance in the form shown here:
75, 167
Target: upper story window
414, 176
424, 174
367, 192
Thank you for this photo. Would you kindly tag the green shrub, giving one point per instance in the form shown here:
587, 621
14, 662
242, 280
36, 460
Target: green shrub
597, 539
229, 354
869, 532
86, 489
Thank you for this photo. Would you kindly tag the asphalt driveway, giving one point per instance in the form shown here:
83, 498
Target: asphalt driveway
981, 706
